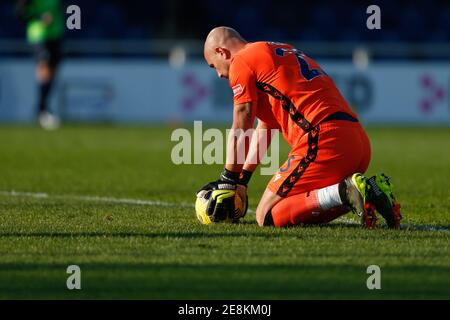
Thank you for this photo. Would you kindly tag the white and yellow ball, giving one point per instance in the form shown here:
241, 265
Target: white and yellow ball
203, 199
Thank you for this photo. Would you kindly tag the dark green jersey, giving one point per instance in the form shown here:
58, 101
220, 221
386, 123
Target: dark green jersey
45, 20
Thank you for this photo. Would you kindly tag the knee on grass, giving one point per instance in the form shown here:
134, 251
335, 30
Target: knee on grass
265, 219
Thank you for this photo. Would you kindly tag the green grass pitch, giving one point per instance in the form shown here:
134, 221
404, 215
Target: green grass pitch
160, 251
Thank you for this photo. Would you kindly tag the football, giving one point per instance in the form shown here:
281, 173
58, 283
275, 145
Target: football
240, 206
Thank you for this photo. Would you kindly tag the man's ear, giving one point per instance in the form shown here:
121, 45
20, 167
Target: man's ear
223, 52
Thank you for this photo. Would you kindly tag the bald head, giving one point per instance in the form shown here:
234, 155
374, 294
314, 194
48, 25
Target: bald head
221, 44
224, 37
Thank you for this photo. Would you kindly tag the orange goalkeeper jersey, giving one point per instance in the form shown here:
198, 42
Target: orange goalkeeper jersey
300, 93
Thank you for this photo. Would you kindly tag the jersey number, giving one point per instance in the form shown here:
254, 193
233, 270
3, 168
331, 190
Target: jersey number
307, 73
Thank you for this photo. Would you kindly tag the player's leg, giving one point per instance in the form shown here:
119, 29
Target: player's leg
48, 57
305, 208
265, 205
317, 179
316, 206
379, 194
44, 78
43, 74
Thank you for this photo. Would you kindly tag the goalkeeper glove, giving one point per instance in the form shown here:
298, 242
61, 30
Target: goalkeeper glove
220, 207
221, 200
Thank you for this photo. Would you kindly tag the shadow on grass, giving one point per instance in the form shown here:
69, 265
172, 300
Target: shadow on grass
209, 233
267, 232
214, 267
219, 281
174, 235
214, 280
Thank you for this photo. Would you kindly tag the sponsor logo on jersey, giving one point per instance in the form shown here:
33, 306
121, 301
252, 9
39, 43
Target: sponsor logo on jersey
237, 90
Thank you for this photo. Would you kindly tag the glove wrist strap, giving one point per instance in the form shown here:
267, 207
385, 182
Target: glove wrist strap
245, 177
229, 176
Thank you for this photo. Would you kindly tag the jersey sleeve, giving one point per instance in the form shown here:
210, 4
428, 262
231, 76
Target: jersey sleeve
242, 82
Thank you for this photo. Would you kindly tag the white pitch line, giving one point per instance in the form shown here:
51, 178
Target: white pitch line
40, 195
404, 226
43, 195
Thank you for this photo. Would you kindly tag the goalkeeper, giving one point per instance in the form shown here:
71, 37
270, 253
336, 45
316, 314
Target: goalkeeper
286, 90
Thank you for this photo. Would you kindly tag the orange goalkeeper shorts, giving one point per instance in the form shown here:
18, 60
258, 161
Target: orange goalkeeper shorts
329, 153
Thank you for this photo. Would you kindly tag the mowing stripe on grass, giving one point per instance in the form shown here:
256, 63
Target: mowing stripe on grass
43, 195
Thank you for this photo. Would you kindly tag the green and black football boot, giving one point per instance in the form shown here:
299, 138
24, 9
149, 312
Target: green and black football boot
379, 196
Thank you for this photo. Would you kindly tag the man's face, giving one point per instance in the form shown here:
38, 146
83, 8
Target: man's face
219, 59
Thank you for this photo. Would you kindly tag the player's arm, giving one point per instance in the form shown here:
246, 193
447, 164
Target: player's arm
245, 98
242, 82
237, 149
261, 139
239, 137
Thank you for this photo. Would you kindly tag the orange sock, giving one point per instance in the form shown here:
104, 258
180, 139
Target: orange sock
303, 208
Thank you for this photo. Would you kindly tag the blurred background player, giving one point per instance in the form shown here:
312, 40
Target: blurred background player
45, 29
